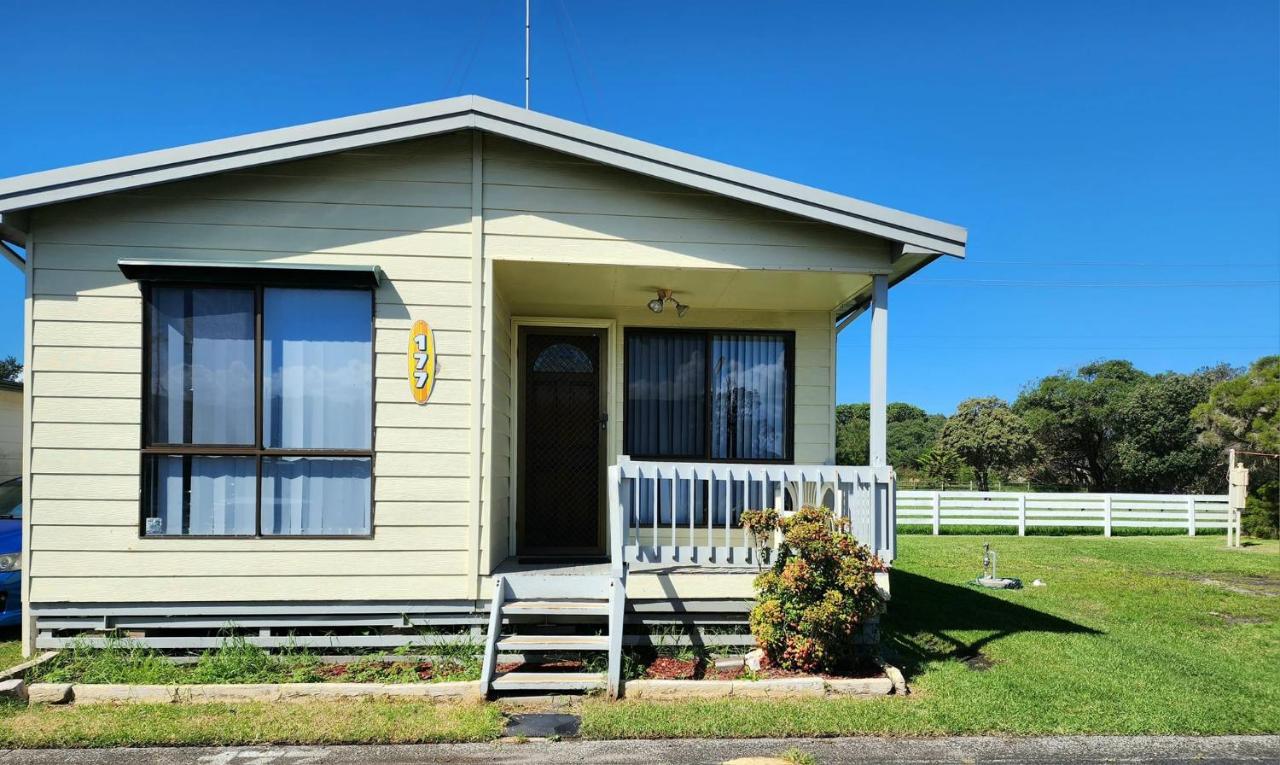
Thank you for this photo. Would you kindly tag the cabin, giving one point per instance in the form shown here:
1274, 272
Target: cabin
457, 365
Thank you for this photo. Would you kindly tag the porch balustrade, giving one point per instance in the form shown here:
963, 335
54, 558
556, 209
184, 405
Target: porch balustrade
689, 513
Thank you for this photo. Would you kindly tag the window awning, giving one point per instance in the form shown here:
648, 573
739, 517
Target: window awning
232, 272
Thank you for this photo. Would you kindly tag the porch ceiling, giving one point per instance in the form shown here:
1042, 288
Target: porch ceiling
536, 288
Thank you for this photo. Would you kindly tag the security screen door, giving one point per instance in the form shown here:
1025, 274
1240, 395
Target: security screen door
561, 443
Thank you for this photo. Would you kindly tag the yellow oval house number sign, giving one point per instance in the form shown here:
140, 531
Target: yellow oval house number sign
422, 361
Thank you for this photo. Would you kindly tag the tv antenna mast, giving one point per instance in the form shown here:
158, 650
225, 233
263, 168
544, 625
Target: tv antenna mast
527, 4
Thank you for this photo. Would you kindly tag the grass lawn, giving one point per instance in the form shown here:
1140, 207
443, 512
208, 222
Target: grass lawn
1131, 635
354, 722
10, 647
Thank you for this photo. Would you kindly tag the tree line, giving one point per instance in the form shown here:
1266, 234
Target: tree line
1105, 427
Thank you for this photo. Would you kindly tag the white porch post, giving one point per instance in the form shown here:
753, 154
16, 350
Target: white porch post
879, 369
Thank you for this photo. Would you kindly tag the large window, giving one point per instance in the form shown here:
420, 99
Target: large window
258, 411
709, 395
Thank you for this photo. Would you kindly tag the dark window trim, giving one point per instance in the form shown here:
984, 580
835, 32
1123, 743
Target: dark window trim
789, 340
256, 450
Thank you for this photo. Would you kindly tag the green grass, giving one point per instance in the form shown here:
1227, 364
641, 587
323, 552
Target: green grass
1155, 635
10, 648
1128, 637
224, 724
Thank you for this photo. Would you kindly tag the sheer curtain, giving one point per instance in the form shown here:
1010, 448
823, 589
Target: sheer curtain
201, 495
315, 495
317, 369
202, 341
317, 360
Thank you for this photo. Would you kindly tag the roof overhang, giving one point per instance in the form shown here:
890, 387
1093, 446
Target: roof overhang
472, 112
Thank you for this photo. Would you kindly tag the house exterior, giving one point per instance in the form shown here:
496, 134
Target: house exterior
364, 369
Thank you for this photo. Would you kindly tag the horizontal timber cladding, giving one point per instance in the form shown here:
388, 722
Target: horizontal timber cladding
542, 205
406, 210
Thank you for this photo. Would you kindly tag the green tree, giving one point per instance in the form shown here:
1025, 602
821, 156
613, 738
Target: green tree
988, 436
1244, 412
1110, 426
1157, 446
941, 465
911, 431
853, 434
1072, 418
10, 369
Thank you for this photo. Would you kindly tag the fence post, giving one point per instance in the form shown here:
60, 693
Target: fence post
1022, 515
1191, 516
1106, 515
937, 513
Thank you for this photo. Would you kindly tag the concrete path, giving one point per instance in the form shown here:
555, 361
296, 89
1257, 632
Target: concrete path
1077, 749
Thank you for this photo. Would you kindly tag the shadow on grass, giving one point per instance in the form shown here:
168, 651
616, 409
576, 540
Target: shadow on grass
924, 611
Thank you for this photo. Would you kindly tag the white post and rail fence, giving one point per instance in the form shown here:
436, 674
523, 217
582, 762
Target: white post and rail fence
1106, 512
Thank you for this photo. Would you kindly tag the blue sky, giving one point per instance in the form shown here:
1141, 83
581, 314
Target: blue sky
1117, 164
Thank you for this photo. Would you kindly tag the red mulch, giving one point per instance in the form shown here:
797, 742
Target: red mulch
667, 668
563, 665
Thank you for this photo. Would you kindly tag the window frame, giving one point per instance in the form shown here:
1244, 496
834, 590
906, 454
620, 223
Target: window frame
789, 341
256, 450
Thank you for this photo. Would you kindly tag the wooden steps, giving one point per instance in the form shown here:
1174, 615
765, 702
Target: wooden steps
548, 681
565, 601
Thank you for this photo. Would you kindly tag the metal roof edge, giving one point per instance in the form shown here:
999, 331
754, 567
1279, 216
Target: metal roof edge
474, 112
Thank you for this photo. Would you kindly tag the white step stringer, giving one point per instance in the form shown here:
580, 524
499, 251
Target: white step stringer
524, 601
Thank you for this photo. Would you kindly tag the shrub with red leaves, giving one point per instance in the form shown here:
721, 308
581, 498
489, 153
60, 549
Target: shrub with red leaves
819, 590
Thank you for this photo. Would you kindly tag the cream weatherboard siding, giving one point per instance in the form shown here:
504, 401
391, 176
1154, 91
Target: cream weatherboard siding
405, 207
550, 207
412, 209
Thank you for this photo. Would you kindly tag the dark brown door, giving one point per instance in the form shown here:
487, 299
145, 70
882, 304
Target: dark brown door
561, 431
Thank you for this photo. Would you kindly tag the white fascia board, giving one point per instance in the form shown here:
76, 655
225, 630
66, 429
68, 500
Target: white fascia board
79, 181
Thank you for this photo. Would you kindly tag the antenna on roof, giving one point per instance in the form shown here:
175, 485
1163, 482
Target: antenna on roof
526, 53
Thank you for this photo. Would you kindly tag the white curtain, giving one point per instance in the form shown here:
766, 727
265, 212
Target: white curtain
202, 340
317, 369
221, 492
315, 495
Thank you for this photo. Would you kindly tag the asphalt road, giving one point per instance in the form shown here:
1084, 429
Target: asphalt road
1076, 749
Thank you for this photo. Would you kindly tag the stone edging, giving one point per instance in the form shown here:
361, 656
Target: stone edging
63, 693
785, 687
20, 670
88, 693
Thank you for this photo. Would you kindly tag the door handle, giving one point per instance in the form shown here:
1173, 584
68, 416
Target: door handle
604, 420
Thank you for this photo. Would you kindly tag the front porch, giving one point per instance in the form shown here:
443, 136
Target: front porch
634, 423
627, 434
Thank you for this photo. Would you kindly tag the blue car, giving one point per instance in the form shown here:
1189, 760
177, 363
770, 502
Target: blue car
11, 553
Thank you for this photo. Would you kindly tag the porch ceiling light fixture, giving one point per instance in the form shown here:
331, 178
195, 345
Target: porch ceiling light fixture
664, 296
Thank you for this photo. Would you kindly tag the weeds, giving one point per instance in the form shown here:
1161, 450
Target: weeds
798, 757
117, 661
237, 660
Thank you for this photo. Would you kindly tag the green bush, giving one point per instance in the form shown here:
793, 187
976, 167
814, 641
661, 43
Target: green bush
819, 590
1261, 509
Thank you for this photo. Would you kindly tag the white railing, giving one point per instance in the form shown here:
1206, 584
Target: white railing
689, 514
1105, 511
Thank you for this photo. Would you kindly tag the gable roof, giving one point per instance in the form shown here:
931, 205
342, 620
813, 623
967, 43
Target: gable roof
473, 112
